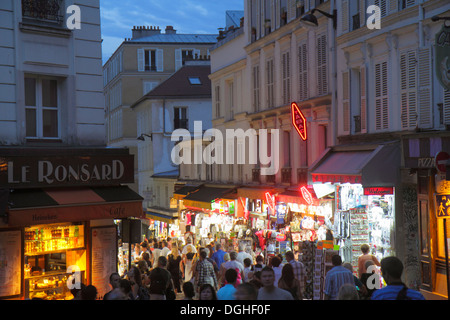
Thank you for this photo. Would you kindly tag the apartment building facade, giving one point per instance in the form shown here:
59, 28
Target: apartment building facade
140, 64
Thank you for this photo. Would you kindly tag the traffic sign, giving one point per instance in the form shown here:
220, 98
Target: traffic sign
443, 205
298, 121
441, 160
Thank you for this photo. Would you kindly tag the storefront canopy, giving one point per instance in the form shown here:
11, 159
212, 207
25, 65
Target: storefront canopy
184, 191
257, 193
369, 165
203, 196
167, 216
44, 206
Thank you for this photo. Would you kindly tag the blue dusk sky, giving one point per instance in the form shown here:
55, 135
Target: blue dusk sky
186, 16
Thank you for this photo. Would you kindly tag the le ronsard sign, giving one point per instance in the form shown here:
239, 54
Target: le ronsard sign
58, 170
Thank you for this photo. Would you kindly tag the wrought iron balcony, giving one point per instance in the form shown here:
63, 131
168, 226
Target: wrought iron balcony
302, 176
256, 175
43, 10
286, 175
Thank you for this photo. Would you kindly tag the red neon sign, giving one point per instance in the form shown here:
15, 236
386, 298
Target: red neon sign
306, 195
298, 121
270, 201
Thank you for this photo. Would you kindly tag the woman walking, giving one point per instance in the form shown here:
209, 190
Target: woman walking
174, 268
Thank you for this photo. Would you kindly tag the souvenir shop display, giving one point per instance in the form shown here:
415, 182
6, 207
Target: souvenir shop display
362, 219
307, 251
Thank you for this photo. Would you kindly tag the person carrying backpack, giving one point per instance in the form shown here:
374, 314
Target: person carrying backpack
161, 287
391, 270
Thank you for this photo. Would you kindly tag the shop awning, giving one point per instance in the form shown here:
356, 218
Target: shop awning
161, 215
369, 165
184, 191
257, 193
203, 196
43, 206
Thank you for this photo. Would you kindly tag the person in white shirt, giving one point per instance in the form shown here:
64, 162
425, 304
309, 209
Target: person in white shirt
165, 250
242, 254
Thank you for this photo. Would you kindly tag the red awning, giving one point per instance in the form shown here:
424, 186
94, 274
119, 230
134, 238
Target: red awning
44, 206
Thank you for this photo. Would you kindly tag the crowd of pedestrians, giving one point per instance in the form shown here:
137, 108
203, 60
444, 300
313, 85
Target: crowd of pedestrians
169, 271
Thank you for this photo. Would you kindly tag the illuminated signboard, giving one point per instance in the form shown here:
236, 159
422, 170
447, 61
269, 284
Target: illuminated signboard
306, 195
270, 202
378, 191
443, 205
298, 121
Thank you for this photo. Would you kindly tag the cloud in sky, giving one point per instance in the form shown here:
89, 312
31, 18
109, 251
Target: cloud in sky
186, 16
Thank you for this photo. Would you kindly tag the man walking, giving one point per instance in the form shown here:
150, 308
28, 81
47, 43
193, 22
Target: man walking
336, 277
299, 271
391, 270
204, 272
269, 291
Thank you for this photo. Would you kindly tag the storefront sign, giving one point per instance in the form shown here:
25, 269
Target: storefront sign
52, 171
336, 178
442, 58
270, 202
443, 205
378, 191
306, 195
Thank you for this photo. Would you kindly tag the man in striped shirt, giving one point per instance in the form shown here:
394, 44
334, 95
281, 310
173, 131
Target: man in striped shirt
392, 269
336, 277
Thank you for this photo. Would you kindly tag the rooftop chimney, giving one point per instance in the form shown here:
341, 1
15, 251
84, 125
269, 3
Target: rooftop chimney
170, 30
144, 31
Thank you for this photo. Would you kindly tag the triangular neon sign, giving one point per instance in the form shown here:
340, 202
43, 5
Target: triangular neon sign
298, 121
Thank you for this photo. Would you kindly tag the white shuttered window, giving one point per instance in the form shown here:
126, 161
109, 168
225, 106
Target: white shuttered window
381, 96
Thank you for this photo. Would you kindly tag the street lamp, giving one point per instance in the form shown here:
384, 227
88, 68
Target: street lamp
311, 20
437, 18
142, 137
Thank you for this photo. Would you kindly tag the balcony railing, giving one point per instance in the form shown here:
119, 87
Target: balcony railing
44, 10
302, 176
286, 175
270, 178
256, 175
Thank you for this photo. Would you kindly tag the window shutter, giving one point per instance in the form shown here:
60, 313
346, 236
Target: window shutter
322, 65
286, 78
363, 90
140, 59
362, 12
446, 107
178, 59
346, 102
277, 14
159, 60
381, 96
393, 6
425, 89
303, 71
345, 16
408, 86
383, 6
291, 10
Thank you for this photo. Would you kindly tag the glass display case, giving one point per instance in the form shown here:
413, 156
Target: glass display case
49, 286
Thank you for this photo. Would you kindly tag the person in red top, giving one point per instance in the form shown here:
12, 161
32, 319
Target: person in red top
366, 256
